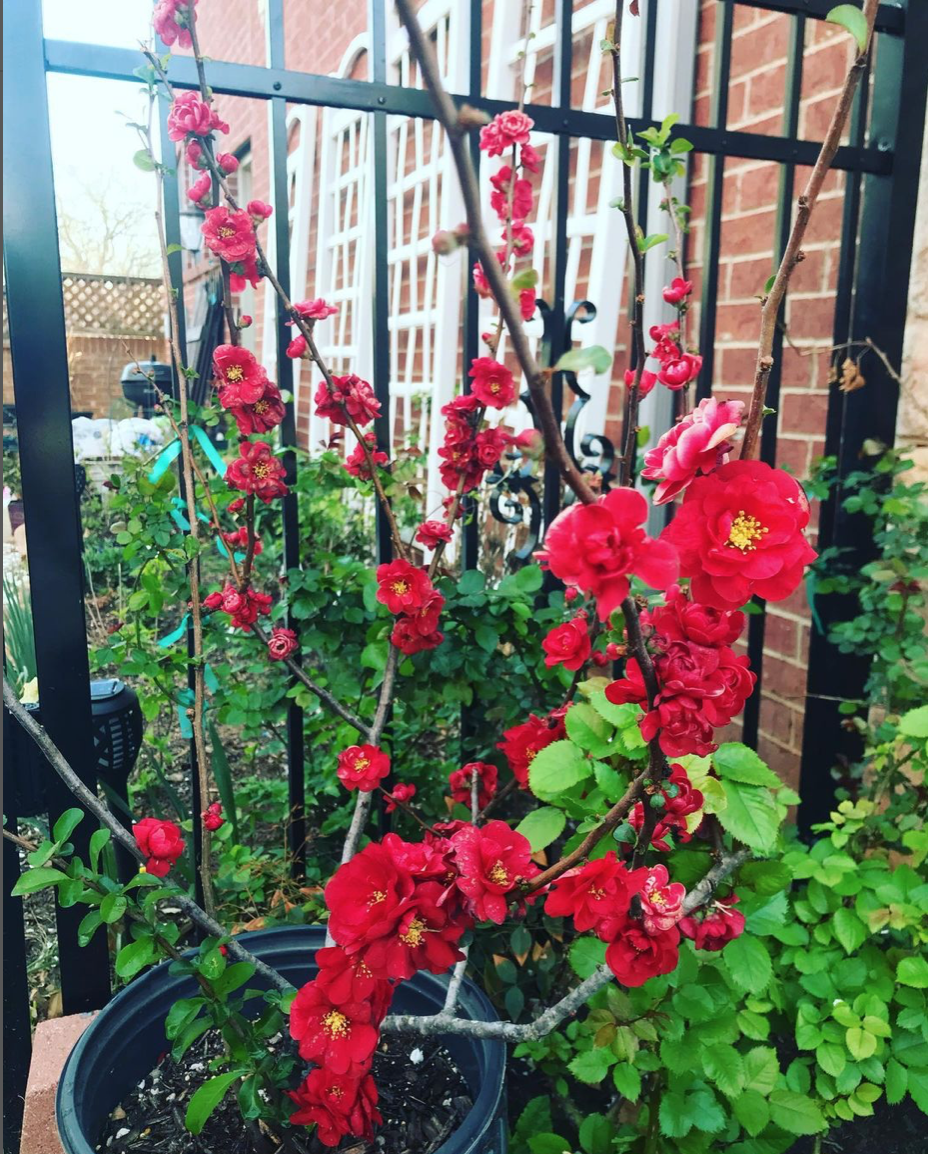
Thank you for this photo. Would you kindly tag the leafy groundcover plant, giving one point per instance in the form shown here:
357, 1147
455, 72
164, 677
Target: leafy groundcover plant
715, 1008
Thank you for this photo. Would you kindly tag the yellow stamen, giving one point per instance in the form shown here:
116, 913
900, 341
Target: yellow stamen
235, 373
745, 530
400, 588
336, 1025
498, 875
412, 936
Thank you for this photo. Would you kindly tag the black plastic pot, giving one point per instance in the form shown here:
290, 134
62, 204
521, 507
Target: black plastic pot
125, 1040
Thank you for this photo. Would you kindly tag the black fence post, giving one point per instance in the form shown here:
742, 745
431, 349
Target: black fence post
43, 413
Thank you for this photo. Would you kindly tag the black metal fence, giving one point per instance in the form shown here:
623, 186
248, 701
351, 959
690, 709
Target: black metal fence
881, 161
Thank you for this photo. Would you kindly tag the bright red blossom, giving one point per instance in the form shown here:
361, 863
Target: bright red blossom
409, 639
356, 462
230, 235
241, 379
568, 644
522, 742
362, 767
716, 928
739, 533
281, 644
212, 817
594, 893
262, 415
635, 955
161, 843
401, 792
461, 782
244, 607
258, 471
492, 383
337, 1104
596, 548
433, 533
339, 1035
402, 587
677, 291
491, 861
349, 397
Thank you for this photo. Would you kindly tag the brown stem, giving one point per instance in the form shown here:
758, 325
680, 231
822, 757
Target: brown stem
423, 53
793, 253
628, 214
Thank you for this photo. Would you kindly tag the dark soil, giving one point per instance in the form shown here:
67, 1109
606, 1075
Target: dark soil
423, 1098
891, 1130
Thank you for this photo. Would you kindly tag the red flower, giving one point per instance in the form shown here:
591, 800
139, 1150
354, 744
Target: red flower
200, 188
402, 587
244, 607
680, 619
338, 1035
504, 131
190, 116
529, 158
425, 937
239, 540
492, 383
350, 396
281, 644
431, 533
522, 742
425, 619
679, 371
491, 862
460, 782
680, 800
347, 979
362, 767
230, 235
739, 533
522, 195
645, 385
568, 644
258, 210
264, 414
258, 471
297, 347
244, 272
366, 897
194, 154
596, 547
594, 893
336, 1104
661, 904
635, 955
697, 444
715, 929
489, 446
401, 792
171, 21
527, 303
227, 162
409, 639
161, 842
314, 310
356, 461
212, 816
678, 290
241, 380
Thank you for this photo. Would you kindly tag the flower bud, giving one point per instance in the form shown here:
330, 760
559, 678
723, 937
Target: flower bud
444, 242
469, 117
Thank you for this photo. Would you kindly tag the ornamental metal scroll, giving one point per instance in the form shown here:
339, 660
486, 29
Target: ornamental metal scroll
597, 452
507, 484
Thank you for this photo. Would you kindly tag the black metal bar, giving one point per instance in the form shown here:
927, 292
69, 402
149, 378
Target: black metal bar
563, 59
17, 1038
470, 533
889, 17
757, 623
43, 413
176, 272
280, 197
377, 23
376, 96
879, 312
713, 224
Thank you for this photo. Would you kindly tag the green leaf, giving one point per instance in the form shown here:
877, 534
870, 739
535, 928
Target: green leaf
739, 763
188, 1036
134, 957
915, 722
586, 956
557, 767
750, 815
249, 1100
207, 1098
648, 242
222, 772
592, 1065
851, 18
680, 145
143, 160
725, 1066
589, 729
676, 1121
38, 879
525, 279
113, 907
596, 1134
472, 581
486, 637
910, 972
918, 1088
545, 1143
543, 825
765, 877
761, 1069
172, 248
795, 1113
212, 963
67, 824
849, 929
860, 1042
99, 840
897, 1081
752, 1111
90, 923
749, 964
181, 1014
831, 1057
627, 1081
594, 357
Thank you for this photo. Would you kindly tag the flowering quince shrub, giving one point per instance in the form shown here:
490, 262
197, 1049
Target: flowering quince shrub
605, 833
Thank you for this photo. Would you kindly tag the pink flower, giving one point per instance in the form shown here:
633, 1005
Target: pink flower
171, 21
314, 310
596, 547
697, 444
529, 158
190, 116
504, 131
678, 290
522, 195
645, 385
461, 782
680, 371
281, 644
212, 817
716, 928
227, 162
297, 347
258, 210
521, 237
432, 533
527, 303
356, 461
230, 235
661, 904
349, 397
242, 380
201, 187
489, 446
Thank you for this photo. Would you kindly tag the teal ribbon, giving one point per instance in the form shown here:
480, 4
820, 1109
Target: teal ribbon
164, 460
176, 635
179, 513
810, 596
186, 701
220, 545
209, 449
170, 453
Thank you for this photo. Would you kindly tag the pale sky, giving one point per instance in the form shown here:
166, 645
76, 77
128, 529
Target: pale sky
92, 148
